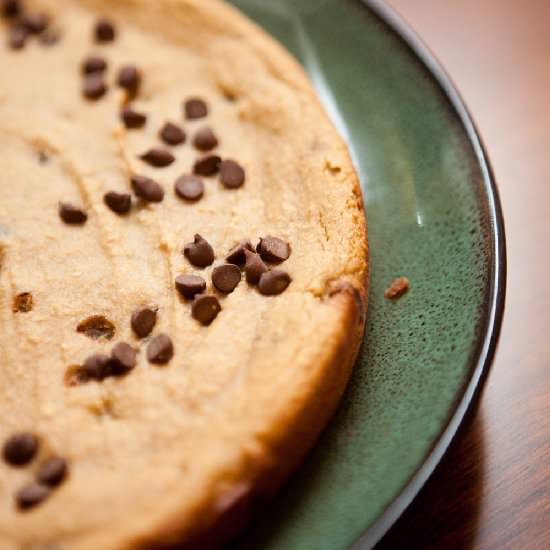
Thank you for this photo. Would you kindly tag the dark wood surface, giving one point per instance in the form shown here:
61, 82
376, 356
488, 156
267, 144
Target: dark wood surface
492, 491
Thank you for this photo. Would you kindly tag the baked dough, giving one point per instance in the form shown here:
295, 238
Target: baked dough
179, 452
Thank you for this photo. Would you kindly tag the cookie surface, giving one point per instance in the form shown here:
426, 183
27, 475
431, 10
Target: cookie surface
124, 146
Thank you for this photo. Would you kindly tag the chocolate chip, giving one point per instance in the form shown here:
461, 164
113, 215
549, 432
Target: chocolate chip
226, 277
205, 139
129, 78
190, 285
11, 8
97, 367
49, 37
272, 249
160, 350
118, 202
52, 472
96, 327
72, 214
207, 166
143, 321
94, 86
94, 64
172, 134
254, 268
199, 252
132, 119
205, 308
189, 188
232, 174
147, 189
195, 108
31, 495
22, 303
274, 282
20, 448
237, 254
35, 23
104, 31
158, 157
17, 37
124, 358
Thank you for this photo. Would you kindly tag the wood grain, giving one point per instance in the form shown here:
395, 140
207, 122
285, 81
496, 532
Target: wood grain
492, 491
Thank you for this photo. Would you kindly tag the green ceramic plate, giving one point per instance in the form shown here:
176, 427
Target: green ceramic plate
434, 216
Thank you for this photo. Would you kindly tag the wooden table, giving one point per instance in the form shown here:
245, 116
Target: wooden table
492, 491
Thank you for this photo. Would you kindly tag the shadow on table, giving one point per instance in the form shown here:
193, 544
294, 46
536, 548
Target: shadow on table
446, 512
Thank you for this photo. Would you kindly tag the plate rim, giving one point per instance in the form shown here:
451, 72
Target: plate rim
481, 363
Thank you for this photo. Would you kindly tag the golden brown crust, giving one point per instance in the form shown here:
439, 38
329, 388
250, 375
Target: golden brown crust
236, 509
213, 502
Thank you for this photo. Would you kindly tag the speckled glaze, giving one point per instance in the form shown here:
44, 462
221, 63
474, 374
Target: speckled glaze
433, 216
